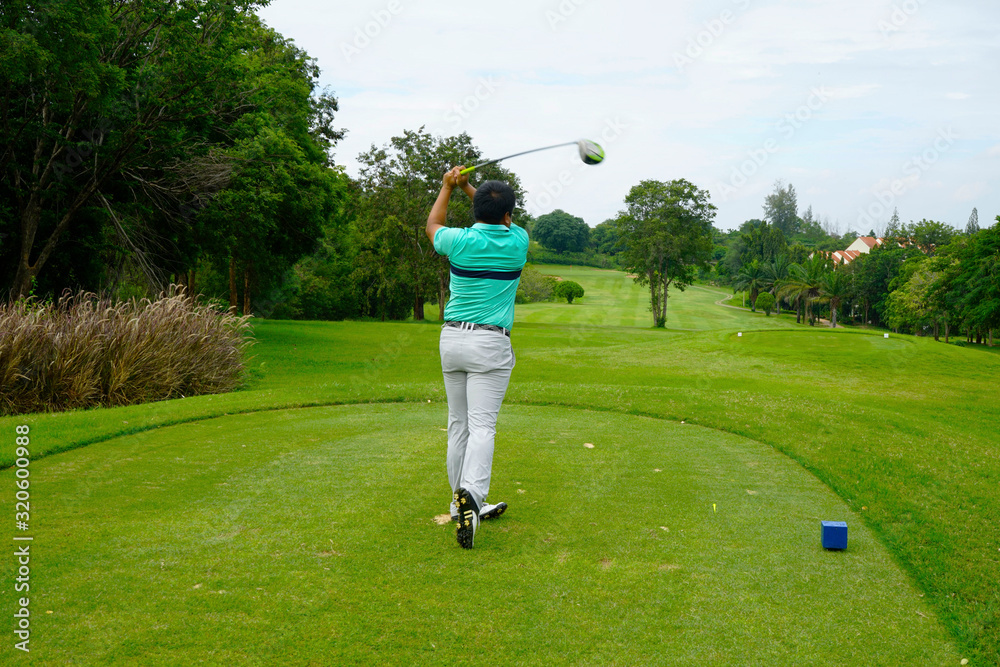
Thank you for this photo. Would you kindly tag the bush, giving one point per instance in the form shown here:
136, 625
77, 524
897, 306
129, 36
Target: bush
534, 286
85, 351
569, 290
765, 302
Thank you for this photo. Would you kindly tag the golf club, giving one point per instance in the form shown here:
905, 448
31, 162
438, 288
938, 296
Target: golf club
590, 153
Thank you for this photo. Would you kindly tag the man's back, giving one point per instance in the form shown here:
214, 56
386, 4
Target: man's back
486, 262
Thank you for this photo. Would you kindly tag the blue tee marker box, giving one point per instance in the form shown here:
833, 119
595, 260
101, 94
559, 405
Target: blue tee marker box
834, 535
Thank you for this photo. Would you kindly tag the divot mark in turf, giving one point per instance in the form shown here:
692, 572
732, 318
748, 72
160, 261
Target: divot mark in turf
442, 519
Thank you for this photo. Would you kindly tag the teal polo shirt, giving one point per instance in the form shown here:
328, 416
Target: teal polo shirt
486, 262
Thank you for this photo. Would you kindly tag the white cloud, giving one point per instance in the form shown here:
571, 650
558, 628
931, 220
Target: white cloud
883, 102
895, 186
852, 92
970, 191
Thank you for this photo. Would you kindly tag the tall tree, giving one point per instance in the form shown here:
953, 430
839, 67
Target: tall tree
808, 218
971, 281
812, 228
834, 289
895, 228
399, 183
109, 113
879, 272
911, 305
561, 231
384, 289
321, 286
946, 265
775, 275
281, 190
804, 284
665, 232
781, 208
751, 278
762, 242
973, 225
270, 215
604, 238
930, 235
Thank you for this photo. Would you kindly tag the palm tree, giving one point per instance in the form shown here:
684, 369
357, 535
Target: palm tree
794, 289
775, 274
834, 288
750, 278
804, 283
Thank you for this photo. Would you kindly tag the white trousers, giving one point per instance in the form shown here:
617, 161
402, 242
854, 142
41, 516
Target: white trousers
476, 365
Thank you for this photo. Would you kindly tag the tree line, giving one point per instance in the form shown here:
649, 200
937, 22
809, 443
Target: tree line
143, 145
150, 144
925, 277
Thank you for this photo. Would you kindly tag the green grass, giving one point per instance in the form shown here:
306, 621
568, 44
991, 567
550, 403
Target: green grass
902, 430
613, 299
306, 536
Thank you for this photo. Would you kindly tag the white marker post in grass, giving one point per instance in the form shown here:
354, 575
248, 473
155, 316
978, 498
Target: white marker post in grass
886, 335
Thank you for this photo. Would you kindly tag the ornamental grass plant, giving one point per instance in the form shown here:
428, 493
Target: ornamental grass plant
85, 350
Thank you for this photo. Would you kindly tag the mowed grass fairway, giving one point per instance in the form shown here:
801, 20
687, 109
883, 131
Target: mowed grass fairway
306, 535
293, 521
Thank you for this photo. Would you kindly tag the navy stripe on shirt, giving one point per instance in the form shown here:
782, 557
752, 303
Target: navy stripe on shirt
485, 273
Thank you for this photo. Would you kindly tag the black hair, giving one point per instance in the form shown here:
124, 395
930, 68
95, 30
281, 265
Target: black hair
493, 200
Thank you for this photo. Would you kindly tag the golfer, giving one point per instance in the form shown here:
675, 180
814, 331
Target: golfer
476, 356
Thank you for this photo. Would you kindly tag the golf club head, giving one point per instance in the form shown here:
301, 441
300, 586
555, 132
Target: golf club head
590, 152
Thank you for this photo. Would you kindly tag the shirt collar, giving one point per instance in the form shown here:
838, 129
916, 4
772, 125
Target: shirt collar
489, 228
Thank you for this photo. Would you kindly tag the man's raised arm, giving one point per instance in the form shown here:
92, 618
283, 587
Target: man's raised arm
439, 212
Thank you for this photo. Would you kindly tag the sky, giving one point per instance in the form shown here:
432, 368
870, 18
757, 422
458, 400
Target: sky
864, 106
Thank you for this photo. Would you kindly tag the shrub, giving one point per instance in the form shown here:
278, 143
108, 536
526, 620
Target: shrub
569, 290
765, 302
84, 351
534, 286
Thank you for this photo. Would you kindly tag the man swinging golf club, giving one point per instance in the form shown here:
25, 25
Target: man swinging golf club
476, 356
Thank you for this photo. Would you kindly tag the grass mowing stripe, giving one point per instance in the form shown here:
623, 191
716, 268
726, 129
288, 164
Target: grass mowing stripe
305, 533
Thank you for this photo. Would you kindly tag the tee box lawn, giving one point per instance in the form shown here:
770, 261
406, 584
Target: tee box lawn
666, 489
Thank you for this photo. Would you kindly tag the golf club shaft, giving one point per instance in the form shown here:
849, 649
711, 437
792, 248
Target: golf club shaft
533, 150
